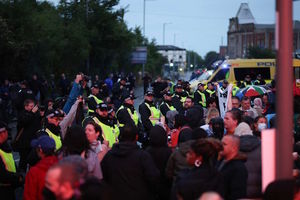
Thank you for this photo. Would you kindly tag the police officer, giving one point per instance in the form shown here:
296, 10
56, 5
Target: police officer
247, 81
199, 96
150, 115
52, 127
9, 179
126, 114
259, 80
179, 98
167, 104
93, 99
100, 117
210, 91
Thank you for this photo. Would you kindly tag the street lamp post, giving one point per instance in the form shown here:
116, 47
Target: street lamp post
164, 31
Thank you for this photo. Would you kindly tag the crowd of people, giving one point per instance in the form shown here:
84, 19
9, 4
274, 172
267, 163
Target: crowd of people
94, 144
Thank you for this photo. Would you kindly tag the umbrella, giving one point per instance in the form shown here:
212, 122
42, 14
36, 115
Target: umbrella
252, 91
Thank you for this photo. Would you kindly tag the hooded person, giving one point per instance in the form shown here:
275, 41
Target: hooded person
217, 127
251, 146
177, 160
160, 152
194, 117
128, 169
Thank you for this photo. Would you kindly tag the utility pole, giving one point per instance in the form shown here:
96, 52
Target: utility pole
284, 94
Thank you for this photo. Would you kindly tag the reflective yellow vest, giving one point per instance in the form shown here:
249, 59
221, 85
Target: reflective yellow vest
155, 114
98, 101
134, 116
108, 133
8, 161
170, 107
56, 138
203, 98
234, 90
210, 92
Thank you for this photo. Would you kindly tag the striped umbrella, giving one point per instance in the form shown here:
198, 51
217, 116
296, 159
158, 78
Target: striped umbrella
252, 91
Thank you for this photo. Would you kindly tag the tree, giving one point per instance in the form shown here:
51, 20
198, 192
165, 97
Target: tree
257, 52
195, 59
210, 58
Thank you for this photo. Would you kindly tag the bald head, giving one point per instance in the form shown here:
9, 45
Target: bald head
231, 146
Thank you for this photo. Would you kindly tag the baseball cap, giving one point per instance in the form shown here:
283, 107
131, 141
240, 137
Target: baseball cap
168, 93
130, 96
54, 113
149, 93
95, 85
179, 86
102, 107
200, 84
44, 142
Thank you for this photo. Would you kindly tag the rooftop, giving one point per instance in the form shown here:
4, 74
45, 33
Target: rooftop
169, 47
244, 14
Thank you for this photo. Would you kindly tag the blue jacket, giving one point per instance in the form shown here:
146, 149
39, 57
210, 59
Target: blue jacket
75, 92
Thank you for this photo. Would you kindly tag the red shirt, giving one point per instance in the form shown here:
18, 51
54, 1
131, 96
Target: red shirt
35, 178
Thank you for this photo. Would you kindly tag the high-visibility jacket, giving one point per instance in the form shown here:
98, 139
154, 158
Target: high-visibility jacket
134, 116
108, 133
234, 90
170, 107
155, 114
203, 98
210, 92
56, 138
8, 161
98, 101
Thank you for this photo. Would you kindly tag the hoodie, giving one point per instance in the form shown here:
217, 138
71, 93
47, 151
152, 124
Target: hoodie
160, 153
130, 171
35, 178
251, 146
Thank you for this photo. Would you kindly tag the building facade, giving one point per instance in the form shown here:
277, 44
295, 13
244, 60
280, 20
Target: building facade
176, 56
244, 32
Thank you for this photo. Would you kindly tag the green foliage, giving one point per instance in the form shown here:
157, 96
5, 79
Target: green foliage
210, 58
39, 37
154, 60
195, 59
257, 52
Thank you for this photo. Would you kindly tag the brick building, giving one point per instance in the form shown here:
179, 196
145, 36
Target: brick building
244, 32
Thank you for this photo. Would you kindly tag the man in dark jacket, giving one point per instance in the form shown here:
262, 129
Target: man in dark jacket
128, 169
119, 91
29, 122
9, 179
233, 169
160, 152
159, 87
251, 146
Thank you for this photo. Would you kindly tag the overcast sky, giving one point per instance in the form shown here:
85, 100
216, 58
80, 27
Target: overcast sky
197, 25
